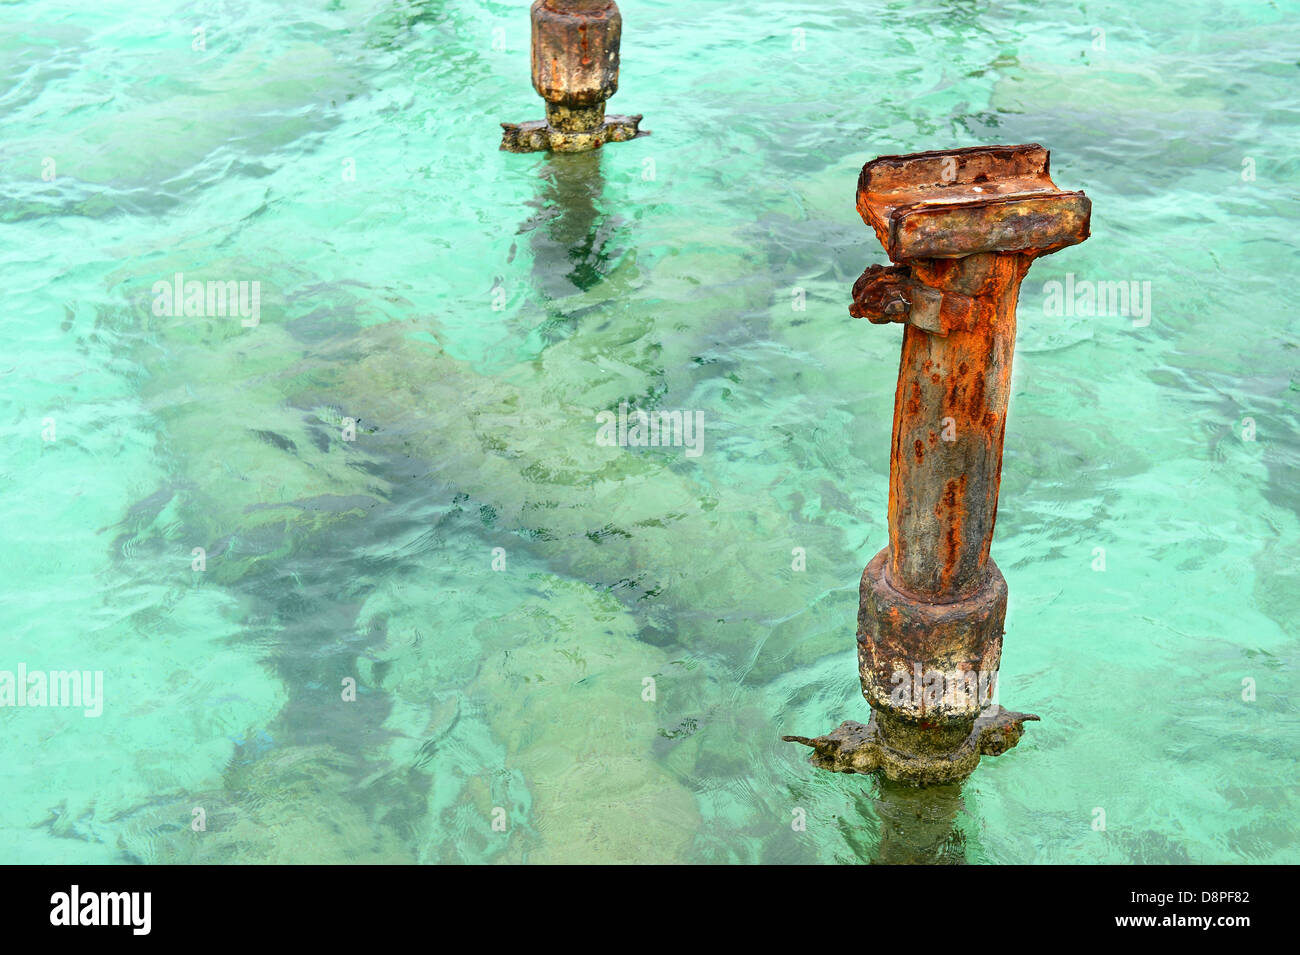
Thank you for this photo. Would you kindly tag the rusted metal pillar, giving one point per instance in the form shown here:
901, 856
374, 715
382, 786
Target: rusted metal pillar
962, 227
575, 69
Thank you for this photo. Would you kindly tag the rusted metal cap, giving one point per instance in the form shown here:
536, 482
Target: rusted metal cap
575, 50
957, 202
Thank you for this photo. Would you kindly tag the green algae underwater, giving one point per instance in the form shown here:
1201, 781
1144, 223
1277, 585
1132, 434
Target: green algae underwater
503, 590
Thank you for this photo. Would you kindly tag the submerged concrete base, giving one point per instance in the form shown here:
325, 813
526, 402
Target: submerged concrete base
916, 753
540, 136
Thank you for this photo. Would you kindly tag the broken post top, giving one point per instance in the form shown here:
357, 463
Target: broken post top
575, 69
575, 51
958, 202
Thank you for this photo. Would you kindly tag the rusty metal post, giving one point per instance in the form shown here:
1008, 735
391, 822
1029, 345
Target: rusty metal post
575, 69
962, 227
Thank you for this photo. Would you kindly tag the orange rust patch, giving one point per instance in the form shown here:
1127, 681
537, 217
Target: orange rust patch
976, 395
954, 498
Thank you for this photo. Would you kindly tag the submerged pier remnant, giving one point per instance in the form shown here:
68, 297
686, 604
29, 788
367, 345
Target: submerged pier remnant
962, 227
575, 69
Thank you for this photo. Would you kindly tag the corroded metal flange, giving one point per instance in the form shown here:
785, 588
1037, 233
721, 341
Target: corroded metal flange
542, 136
914, 753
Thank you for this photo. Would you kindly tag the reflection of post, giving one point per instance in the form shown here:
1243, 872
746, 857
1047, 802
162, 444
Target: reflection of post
569, 230
918, 824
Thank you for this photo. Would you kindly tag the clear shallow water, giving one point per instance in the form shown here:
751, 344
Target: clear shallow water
661, 273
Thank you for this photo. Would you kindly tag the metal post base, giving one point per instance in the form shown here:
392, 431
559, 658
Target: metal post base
929, 757
541, 136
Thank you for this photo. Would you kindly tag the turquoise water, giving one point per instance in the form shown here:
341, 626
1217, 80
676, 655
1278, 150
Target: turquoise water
471, 311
